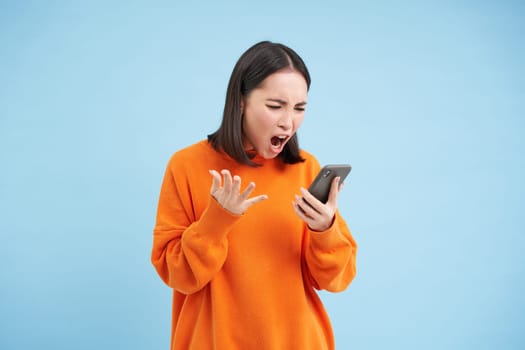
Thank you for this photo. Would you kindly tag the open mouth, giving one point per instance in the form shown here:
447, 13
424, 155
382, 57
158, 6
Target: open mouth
278, 141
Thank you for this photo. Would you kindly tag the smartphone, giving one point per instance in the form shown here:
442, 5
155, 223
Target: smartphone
320, 187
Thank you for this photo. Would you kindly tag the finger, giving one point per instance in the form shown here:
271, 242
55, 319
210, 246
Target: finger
311, 201
334, 192
227, 178
216, 181
300, 213
307, 210
247, 191
255, 200
236, 184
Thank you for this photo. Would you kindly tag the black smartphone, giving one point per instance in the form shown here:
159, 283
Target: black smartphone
320, 187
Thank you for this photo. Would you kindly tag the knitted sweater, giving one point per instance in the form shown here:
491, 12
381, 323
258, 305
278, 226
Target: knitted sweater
246, 281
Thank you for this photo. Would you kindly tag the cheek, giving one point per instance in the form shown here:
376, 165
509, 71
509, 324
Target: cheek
265, 120
255, 123
298, 121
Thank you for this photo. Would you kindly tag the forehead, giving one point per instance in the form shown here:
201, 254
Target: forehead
285, 83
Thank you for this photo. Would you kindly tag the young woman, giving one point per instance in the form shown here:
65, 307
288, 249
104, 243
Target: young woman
244, 261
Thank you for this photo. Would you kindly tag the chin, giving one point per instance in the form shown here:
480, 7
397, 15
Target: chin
271, 156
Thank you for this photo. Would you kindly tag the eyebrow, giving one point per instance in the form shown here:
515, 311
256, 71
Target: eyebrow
284, 102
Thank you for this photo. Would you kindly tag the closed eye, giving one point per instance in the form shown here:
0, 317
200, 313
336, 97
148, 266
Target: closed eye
273, 106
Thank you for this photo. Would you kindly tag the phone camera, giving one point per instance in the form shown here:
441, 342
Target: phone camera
327, 173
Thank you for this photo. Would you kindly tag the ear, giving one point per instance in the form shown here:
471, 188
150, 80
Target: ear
242, 105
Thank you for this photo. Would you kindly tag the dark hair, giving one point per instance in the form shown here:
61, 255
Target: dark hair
255, 65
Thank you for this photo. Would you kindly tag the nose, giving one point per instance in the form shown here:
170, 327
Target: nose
286, 121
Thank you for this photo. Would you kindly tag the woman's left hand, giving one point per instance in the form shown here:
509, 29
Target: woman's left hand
317, 215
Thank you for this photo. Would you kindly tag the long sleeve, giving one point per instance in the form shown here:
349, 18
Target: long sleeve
246, 281
331, 256
187, 250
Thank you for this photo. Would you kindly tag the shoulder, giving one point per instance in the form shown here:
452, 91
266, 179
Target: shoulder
191, 153
309, 159
310, 165
194, 161
181, 160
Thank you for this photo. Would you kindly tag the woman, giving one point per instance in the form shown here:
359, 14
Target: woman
244, 261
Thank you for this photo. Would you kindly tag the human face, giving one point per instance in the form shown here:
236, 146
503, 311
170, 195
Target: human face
273, 112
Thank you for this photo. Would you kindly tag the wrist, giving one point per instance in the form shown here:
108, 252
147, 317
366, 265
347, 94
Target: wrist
324, 228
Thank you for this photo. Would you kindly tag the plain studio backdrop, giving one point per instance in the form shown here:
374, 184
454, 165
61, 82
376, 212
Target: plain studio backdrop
424, 98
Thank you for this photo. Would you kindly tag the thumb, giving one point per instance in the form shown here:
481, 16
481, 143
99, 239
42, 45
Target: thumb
334, 192
255, 200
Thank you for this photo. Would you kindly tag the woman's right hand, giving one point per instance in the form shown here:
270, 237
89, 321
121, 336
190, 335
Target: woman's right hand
229, 196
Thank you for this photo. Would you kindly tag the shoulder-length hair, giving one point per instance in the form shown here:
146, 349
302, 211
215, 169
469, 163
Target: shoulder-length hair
255, 65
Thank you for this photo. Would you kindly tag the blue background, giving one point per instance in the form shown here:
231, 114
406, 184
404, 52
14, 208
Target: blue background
425, 99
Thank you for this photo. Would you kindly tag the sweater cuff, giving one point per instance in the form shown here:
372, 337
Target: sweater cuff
216, 222
328, 239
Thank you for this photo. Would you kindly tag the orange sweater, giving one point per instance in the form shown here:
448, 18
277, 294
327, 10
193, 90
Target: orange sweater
246, 282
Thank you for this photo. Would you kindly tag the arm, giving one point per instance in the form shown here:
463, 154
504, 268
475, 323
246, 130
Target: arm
329, 250
188, 251
330, 256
